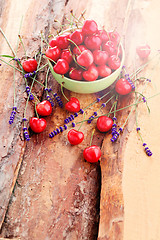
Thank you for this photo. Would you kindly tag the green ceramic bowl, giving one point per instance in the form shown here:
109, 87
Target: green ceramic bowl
88, 87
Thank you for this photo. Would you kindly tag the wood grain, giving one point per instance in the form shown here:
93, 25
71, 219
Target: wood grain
47, 191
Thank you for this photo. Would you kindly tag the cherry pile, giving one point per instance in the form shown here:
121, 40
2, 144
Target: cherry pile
86, 53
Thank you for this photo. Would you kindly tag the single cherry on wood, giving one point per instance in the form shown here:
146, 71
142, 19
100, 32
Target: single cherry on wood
44, 108
73, 105
143, 51
123, 87
75, 137
104, 123
37, 124
29, 65
92, 154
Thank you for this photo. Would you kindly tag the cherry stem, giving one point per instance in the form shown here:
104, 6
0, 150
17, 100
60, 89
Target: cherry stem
92, 137
11, 65
78, 19
106, 102
22, 45
7, 42
63, 93
44, 39
82, 121
36, 110
96, 100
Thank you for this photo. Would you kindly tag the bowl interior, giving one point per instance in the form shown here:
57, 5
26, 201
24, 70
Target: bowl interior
88, 87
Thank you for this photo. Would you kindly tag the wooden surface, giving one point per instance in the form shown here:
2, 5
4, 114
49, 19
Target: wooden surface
47, 190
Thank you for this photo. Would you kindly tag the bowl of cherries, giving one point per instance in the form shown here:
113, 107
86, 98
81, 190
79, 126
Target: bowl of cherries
85, 59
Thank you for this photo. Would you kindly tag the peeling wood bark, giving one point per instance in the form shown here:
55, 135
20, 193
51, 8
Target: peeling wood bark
46, 188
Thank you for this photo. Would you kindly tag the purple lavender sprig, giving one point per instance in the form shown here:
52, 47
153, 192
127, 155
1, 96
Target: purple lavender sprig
128, 78
26, 135
147, 150
28, 90
58, 100
27, 75
12, 116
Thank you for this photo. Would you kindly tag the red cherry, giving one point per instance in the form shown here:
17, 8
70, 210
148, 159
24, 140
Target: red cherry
77, 37
44, 108
53, 42
76, 50
123, 87
110, 48
37, 124
29, 65
76, 74
53, 53
75, 137
91, 74
100, 57
61, 67
73, 105
92, 154
104, 71
66, 55
62, 41
85, 59
93, 42
104, 36
104, 124
89, 27
143, 51
114, 62
114, 37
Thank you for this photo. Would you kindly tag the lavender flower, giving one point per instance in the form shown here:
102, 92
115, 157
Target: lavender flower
26, 135
50, 100
28, 90
12, 116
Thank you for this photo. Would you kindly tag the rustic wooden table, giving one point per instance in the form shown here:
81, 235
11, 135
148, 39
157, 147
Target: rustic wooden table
47, 190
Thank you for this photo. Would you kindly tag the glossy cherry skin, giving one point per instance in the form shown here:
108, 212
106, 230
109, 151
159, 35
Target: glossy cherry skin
53, 53
143, 51
61, 67
53, 42
62, 41
75, 137
81, 48
73, 105
100, 57
89, 27
93, 42
104, 71
110, 48
91, 74
76, 74
114, 37
104, 123
114, 62
44, 108
65, 54
123, 87
92, 154
37, 124
85, 59
29, 65
77, 37
104, 36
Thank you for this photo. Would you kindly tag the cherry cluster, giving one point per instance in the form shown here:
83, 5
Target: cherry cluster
85, 53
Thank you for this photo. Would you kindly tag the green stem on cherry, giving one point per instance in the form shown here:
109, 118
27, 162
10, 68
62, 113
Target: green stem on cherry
78, 19
7, 42
92, 137
63, 93
45, 40
84, 115
22, 45
36, 110
11, 66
